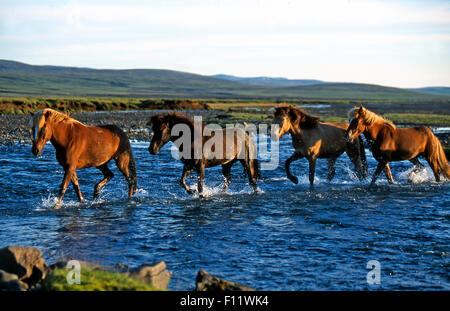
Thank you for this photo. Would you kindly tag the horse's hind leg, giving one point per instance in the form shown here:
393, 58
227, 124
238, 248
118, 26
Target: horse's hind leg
76, 186
250, 174
417, 168
331, 168
125, 163
312, 170
417, 165
186, 172
354, 154
226, 171
107, 177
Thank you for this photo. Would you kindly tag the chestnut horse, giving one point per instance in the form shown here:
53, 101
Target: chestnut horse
314, 139
237, 145
80, 146
390, 143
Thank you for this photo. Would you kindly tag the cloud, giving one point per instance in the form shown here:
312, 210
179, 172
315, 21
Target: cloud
318, 39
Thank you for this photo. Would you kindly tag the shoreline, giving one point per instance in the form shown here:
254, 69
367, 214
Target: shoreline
15, 129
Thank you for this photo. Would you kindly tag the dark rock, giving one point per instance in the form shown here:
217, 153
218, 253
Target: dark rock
207, 282
156, 275
25, 262
10, 282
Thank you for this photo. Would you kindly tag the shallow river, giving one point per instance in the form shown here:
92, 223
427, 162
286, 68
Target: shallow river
285, 237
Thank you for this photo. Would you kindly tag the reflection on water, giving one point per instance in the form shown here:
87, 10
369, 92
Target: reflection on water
285, 237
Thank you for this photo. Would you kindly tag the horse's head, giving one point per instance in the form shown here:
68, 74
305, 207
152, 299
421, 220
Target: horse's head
357, 124
282, 120
290, 118
161, 132
41, 130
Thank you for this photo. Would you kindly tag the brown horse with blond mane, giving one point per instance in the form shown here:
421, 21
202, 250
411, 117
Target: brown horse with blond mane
389, 143
195, 155
314, 139
80, 146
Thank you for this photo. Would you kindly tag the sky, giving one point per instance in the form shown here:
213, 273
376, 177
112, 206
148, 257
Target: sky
395, 43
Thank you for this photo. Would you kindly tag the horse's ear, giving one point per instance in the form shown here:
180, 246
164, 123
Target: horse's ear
361, 110
47, 114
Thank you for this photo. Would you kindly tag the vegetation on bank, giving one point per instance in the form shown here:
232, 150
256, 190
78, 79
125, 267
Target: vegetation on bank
417, 118
20, 105
93, 280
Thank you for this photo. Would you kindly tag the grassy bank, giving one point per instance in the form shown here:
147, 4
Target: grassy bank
25, 105
93, 280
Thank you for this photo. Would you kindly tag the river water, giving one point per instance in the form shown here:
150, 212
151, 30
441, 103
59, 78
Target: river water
285, 237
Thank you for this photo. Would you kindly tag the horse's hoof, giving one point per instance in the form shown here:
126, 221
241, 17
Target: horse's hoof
190, 191
294, 179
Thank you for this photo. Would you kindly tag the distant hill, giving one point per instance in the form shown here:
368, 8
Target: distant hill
434, 90
19, 79
267, 81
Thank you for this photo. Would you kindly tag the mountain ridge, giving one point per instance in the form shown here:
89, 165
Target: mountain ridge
20, 79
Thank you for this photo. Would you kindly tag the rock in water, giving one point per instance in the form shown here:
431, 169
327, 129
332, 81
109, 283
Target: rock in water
156, 275
25, 262
207, 282
10, 282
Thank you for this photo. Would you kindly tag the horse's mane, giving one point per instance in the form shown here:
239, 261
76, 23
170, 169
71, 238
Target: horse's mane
51, 115
173, 118
298, 116
369, 117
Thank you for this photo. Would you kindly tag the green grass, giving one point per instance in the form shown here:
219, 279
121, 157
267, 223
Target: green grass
93, 280
25, 105
416, 118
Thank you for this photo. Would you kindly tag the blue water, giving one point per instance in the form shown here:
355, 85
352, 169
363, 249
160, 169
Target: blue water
286, 237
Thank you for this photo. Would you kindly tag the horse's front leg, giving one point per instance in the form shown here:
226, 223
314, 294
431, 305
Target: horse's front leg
186, 172
201, 175
292, 158
76, 186
388, 173
68, 173
331, 168
380, 167
312, 170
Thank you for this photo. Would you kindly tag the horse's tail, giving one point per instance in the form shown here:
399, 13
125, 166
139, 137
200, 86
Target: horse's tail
132, 170
125, 155
362, 154
436, 155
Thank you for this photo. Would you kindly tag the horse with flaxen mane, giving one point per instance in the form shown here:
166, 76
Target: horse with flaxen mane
200, 149
314, 139
390, 143
80, 146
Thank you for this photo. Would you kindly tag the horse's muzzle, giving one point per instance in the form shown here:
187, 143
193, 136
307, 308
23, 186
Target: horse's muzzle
36, 151
153, 149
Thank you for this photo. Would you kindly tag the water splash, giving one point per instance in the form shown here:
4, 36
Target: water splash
422, 176
51, 202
